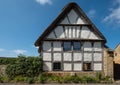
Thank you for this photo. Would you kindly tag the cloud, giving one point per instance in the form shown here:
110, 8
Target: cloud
19, 51
43, 2
114, 15
91, 13
1, 49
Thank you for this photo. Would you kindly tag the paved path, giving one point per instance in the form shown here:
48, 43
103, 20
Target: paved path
54, 84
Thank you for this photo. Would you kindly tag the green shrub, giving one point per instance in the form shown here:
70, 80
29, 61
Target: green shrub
29, 80
1, 79
10, 71
98, 75
88, 79
84, 79
75, 79
6, 61
24, 66
41, 78
5, 79
67, 79
19, 79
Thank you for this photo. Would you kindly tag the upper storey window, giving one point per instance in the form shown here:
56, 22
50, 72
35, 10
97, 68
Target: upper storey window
76, 46
67, 46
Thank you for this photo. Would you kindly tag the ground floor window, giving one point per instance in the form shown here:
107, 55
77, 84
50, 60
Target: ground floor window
87, 66
56, 66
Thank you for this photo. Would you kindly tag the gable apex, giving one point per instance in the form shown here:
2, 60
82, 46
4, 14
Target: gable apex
60, 17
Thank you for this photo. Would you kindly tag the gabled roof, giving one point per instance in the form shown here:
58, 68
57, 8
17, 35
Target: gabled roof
64, 11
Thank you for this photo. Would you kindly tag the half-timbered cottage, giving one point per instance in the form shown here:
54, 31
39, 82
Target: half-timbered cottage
72, 43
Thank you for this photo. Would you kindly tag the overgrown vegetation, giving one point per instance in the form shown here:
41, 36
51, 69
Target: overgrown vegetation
6, 61
29, 70
25, 67
53, 78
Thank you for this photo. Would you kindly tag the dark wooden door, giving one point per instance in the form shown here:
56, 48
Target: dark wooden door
116, 71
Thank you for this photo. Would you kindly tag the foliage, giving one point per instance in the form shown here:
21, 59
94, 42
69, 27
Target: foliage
29, 70
25, 67
19, 79
99, 75
29, 80
3, 79
44, 78
6, 61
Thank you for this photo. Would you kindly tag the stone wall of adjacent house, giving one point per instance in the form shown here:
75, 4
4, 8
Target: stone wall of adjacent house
108, 63
117, 51
2, 70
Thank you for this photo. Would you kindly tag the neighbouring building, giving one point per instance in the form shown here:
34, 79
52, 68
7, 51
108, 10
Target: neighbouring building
117, 51
73, 44
117, 62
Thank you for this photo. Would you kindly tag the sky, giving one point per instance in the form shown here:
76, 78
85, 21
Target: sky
23, 21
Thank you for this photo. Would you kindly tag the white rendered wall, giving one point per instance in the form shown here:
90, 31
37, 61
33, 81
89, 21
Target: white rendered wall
97, 66
85, 32
74, 32
57, 57
59, 32
67, 56
77, 57
67, 66
70, 32
97, 46
65, 21
78, 32
77, 66
51, 35
66, 31
93, 36
80, 21
87, 56
47, 66
57, 46
47, 46
97, 57
46, 56
87, 46
72, 16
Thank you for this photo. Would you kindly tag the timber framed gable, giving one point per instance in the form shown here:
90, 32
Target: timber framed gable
71, 43
57, 23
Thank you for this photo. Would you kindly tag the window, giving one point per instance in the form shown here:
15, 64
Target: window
56, 66
67, 46
76, 45
115, 54
87, 66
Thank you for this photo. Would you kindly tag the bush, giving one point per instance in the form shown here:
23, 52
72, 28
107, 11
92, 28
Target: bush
29, 80
42, 78
3, 79
6, 61
19, 79
24, 66
88, 79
